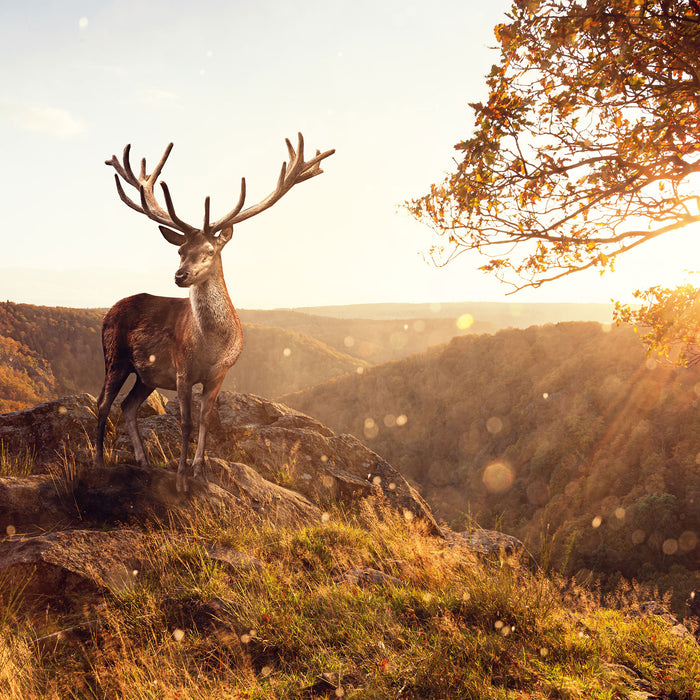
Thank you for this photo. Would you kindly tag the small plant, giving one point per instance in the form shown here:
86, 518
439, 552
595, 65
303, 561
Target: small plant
19, 463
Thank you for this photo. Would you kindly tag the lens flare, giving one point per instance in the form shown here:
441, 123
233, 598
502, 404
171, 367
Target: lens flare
494, 425
465, 321
371, 429
498, 477
688, 541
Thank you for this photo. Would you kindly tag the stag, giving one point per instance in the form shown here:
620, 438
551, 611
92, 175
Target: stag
175, 343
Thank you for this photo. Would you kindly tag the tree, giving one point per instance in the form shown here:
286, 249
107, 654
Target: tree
587, 146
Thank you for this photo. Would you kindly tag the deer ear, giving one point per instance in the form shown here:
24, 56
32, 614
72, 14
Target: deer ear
225, 235
172, 236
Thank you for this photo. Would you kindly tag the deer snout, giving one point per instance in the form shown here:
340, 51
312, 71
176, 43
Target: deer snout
182, 278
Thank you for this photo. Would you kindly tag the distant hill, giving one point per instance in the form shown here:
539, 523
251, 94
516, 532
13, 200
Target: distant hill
371, 340
276, 361
285, 350
318, 346
563, 428
495, 314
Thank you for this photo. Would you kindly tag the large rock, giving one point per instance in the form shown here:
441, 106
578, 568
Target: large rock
65, 570
126, 493
80, 565
291, 448
286, 448
49, 429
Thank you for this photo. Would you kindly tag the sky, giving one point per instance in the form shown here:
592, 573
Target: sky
387, 84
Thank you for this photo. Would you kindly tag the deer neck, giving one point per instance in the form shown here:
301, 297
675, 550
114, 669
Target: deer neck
212, 309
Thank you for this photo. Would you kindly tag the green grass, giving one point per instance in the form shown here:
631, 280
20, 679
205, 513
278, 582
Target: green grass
459, 628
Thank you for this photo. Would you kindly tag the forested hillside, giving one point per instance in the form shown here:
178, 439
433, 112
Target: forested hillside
285, 350
48, 351
275, 361
25, 378
374, 340
66, 340
566, 429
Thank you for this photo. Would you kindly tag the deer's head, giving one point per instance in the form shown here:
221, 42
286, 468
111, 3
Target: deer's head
200, 254
200, 249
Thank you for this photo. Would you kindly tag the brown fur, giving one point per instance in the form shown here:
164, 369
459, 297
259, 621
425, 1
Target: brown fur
173, 344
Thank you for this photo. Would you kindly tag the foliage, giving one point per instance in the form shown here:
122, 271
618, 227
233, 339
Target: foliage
458, 627
669, 320
587, 144
25, 378
590, 125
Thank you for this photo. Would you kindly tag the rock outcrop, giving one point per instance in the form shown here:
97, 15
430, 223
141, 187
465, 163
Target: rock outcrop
266, 464
260, 452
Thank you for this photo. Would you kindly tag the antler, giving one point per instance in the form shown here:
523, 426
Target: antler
297, 171
144, 183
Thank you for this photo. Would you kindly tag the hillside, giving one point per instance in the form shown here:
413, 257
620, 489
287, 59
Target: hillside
25, 377
373, 340
566, 429
285, 350
313, 579
276, 361
47, 352
67, 340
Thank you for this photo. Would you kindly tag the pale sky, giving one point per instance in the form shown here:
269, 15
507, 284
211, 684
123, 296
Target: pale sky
385, 83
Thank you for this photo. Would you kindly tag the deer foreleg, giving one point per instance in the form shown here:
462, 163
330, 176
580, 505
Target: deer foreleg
209, 394
184, 396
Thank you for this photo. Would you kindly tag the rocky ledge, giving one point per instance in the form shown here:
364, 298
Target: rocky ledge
69, 526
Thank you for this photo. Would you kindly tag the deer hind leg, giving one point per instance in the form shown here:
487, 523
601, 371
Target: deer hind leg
114, 380
184, 396
130, 406
209, 394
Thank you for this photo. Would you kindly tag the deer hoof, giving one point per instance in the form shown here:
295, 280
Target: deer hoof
181, 482
197, 472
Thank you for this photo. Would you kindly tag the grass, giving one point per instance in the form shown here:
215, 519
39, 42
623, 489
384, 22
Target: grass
16, 464
459, 627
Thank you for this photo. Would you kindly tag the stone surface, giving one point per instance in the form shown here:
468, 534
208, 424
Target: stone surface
367, 578
486, 542
78, 565
127, 494
287, 449
46, 430
232, 560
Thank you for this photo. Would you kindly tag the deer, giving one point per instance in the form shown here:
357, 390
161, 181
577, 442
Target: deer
174, 343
